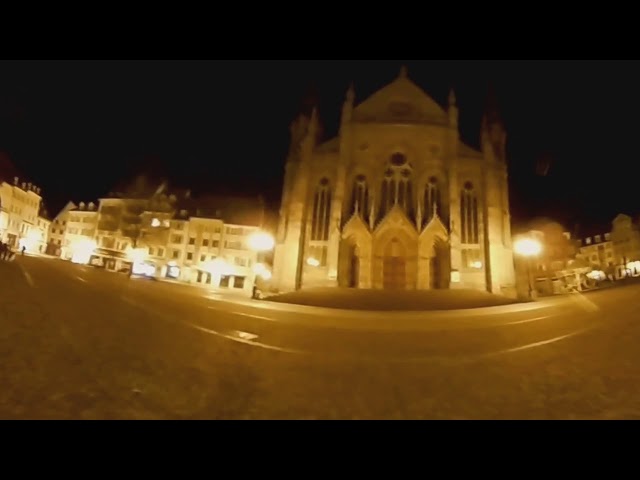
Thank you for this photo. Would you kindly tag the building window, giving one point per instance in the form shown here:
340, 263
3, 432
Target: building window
321, 214
397, 188
360, 196
192, 240
151, 251
203, 258
240, 261
161, 252
472, 258
224, 281
190, 256
234, 245
431, 199
319, 254
469, 215
215, 243
176, 253
238, 282
205, 242
234, 231
176, 239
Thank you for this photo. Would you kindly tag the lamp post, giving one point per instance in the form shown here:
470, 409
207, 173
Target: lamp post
528, 248
260, 242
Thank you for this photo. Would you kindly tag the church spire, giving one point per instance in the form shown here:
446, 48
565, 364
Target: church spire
453, 109
347, 107
491, 108
493, 136
452, 97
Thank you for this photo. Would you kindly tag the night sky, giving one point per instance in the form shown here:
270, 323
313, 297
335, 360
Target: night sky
77, 127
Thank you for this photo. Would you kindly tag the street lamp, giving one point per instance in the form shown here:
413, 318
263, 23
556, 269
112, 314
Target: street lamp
260, 242
528, 248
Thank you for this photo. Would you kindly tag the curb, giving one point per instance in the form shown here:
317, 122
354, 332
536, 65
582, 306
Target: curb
396, 314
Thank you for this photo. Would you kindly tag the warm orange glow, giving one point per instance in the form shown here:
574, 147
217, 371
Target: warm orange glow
261, 242
137, 255
261, 270
81, 251
527, 247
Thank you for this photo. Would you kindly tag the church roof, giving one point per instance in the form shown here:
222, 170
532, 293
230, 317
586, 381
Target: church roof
466, 151
401, 101
332, 145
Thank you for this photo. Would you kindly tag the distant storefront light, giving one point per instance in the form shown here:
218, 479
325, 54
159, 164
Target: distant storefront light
173, 271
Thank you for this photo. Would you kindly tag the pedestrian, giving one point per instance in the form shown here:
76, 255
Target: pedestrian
23, 249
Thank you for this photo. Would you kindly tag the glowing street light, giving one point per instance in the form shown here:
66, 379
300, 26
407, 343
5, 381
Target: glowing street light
528, 248
82, 251
261, 242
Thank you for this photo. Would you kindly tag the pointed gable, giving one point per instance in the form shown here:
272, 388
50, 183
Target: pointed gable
435, 228
396, 218
402, 101
465, 150
356, 227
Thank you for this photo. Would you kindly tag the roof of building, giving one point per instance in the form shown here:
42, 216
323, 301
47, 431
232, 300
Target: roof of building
329, 146
84, 207
466, 151
400, 101
235, 210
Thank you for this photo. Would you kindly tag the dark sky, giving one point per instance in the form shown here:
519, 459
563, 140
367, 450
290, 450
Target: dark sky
77, 127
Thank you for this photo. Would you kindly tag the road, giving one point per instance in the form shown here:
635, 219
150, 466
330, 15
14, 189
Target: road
80, 343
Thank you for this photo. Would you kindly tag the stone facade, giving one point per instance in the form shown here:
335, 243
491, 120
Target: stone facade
20, 204
396, 200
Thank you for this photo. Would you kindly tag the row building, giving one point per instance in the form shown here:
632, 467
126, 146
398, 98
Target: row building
23, 219
150, 231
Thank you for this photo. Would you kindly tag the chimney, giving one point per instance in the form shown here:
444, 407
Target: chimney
15, 181
81, 205
92, 205
24, 185
29, 186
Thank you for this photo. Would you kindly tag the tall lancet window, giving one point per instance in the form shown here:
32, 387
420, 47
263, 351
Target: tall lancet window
396, 186
432, 199
360, 197
321, 214
469, 215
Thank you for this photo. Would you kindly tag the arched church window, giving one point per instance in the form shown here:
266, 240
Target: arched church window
360, 196
321, 213
396, 185
432, 200
469, 215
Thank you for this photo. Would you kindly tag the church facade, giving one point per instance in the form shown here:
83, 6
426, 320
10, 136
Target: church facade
396, 200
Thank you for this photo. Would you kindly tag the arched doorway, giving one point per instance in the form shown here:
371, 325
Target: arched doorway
354, 267
394, 266
439, 265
